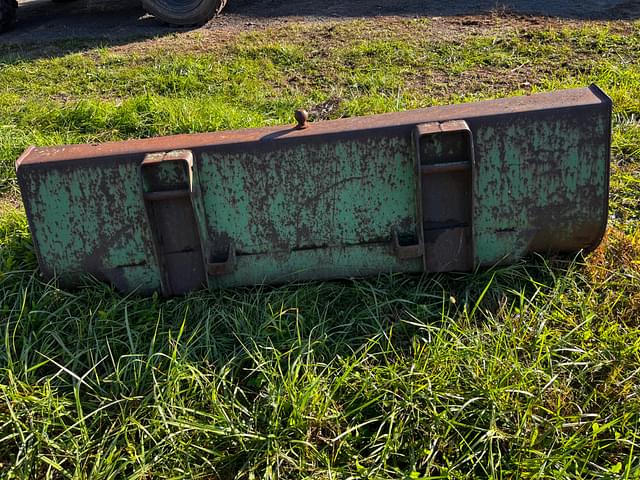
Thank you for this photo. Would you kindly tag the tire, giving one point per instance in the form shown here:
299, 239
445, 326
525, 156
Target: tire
184, 12
8, 9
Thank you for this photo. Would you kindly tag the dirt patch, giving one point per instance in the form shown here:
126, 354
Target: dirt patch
10, 200
117, 22
329, 33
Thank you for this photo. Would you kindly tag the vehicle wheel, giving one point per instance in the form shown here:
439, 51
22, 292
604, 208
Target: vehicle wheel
8, 10
184, 12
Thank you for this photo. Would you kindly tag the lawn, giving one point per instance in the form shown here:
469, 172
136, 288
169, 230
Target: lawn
524, 371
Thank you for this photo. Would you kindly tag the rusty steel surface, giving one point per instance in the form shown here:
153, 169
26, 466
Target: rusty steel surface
574, 98
439, 189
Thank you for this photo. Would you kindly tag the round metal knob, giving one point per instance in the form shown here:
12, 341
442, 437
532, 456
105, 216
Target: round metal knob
301, 117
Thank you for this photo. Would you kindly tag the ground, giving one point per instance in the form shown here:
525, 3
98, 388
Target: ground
117, 20
523, 371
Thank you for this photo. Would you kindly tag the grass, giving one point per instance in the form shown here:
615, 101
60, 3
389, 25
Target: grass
527, 371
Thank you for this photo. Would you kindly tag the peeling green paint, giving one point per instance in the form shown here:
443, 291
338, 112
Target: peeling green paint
325, 202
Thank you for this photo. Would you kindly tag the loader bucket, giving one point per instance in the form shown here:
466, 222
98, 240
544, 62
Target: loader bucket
449, 188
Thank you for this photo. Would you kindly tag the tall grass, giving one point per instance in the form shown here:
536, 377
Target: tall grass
524, 371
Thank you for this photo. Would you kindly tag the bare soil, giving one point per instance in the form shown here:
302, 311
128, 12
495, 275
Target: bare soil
116, 22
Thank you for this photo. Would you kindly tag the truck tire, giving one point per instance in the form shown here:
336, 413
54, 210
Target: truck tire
184, 12
8, 10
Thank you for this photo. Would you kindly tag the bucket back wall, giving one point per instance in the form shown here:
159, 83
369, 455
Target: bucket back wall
439, 189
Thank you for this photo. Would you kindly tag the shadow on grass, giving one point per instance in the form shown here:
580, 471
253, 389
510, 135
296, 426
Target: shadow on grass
47, 29
220, 328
